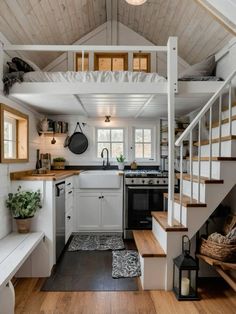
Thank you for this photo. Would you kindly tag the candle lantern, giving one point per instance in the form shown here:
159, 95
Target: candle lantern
185, 274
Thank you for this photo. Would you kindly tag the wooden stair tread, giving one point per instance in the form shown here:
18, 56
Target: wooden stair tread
147, 244
215, 262
224, 121
162, 219
216, 140
195, 158
186, 200
203, 180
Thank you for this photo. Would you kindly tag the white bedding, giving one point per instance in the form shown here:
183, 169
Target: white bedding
93, 76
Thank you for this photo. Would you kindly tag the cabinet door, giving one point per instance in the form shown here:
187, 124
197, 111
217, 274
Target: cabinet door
112, 211
88, 211
69, 224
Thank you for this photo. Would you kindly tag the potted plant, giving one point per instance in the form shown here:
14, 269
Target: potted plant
59, 163
121, 162
23, 206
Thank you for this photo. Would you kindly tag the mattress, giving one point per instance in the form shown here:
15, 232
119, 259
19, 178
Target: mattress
93, 76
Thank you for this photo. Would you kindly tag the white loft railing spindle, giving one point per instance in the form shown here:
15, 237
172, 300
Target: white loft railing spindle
181, 181
191, 164
199, 159
230, 109
220, 123
210, 143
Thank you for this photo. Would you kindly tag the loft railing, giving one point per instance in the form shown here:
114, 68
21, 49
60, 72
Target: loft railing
197, 123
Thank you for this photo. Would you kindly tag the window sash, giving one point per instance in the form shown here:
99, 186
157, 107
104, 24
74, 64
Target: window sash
143, 143
110, 143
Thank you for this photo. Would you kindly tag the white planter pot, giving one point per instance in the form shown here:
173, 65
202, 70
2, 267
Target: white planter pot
121, 165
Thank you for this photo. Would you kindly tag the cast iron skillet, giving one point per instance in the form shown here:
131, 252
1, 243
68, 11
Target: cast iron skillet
78, 142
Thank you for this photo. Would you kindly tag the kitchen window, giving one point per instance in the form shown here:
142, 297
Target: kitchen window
112, 139
14, 135
144, 143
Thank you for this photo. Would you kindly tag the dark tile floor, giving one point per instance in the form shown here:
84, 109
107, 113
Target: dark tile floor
88, 271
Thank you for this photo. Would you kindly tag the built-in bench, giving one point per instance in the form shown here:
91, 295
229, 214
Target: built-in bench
15, 248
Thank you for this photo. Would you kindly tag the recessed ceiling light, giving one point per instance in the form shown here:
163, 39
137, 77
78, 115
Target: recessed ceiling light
135, 2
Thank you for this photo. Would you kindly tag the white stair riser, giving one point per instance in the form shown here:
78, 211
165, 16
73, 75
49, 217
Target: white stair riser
153, 273
228, 149
180, 217
225, 114
160, 234
187, 190
205, 169
224, 130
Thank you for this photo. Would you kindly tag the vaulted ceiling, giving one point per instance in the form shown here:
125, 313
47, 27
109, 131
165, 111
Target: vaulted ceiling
65, 21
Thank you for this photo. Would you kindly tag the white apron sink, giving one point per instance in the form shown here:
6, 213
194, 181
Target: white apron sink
99, 179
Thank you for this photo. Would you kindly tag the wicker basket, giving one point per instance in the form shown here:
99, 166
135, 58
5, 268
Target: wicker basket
221, 252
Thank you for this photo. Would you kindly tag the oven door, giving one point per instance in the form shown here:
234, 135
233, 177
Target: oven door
140, 202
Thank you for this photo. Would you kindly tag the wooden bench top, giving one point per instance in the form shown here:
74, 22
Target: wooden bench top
147, 244
15, 248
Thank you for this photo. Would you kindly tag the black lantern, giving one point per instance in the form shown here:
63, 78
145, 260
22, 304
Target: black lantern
185, 274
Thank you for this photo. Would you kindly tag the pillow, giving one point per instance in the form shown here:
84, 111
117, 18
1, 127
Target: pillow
22, 65
12, 67
203, 68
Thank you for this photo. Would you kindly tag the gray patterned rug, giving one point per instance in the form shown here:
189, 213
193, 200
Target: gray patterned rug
96, 242
125, 264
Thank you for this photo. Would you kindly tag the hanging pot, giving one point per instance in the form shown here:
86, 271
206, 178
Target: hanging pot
78, 142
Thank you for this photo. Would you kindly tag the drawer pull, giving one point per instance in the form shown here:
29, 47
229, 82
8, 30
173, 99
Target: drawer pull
70, 192
69, 217
68, 183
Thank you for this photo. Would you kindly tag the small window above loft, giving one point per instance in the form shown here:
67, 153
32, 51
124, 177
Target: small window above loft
111, 61
78, 62
141, 62
14, 135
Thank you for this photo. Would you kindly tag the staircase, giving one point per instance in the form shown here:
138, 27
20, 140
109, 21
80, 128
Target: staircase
210, 178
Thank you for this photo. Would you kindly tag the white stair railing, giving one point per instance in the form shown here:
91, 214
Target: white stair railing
197, 123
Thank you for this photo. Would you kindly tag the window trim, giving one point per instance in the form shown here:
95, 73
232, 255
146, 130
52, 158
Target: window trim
20, 115
110, 128
112, 55
153, 143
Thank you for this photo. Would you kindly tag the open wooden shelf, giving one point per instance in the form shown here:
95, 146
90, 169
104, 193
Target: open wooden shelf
51, 133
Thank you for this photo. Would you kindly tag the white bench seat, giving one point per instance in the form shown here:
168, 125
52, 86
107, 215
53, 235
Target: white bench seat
15, 248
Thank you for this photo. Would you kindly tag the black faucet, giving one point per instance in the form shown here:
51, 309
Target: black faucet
104, 166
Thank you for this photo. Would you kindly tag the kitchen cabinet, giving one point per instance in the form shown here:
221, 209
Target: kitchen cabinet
101, 211
69, 204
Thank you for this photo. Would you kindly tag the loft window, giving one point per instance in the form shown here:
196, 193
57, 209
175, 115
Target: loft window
110, 61
14, 135
78, 60
141, 62
112, 139
144, 143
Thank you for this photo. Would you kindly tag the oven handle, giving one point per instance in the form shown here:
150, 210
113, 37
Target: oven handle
147, 187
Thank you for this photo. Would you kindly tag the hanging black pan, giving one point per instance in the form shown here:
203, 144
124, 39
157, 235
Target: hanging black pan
78, 142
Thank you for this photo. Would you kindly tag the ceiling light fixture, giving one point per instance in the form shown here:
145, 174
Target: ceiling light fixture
107, 118
136, 2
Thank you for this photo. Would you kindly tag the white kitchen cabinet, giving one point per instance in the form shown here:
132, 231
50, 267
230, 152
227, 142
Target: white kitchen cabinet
111, 211
101, 211
68, 224
69, 207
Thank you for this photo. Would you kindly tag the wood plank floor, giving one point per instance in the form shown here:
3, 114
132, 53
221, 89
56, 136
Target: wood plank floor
217, 298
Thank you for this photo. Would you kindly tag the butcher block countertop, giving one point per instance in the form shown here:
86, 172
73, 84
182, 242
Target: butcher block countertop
53, 175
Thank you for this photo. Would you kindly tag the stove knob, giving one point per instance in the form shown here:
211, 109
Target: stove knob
158, 181
132, 181
150, 182
143, 181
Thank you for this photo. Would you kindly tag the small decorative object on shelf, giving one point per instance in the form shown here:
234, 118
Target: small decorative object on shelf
134, 165
44, 124
185, 274
59, 163
121, 162
23, 206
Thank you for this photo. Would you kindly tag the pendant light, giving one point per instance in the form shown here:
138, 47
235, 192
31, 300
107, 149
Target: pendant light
108, 119
136, 2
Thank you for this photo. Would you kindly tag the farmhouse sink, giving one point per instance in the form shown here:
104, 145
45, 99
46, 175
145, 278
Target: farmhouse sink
99, 179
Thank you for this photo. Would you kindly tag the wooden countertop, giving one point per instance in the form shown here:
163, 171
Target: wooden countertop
52, 175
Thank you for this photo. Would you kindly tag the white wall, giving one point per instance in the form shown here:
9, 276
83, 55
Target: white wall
5, 169
225, 7
89, 157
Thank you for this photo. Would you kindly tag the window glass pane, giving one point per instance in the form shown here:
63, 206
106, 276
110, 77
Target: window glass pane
138, 135
147, 135
117, 149
104, 135
9, 149
118, 64
136, 64
143, 63
117, 135
147, 151
79, 62
138, 150
100, 148
104, 63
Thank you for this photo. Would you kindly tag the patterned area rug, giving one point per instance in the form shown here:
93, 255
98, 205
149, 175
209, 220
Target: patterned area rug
125, 264
96, 242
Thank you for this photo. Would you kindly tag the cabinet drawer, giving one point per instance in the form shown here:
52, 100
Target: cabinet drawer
69, 183
69, 199
68, 224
